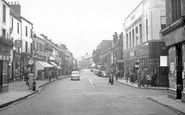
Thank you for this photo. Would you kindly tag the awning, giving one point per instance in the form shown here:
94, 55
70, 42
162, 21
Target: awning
40, 65
55, 65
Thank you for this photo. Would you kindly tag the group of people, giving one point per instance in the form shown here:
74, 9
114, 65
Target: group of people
141, 78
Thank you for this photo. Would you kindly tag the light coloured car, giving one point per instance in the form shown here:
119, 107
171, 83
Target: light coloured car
104, 74
75, 75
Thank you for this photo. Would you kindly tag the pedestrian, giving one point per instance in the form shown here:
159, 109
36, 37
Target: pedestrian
148, 78
26, 78
154, 78
49, 75
127, 75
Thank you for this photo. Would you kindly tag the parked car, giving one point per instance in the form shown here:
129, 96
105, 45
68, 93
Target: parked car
104, 74
99, 73
75, 75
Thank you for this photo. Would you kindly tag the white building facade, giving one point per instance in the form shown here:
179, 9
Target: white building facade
142, 42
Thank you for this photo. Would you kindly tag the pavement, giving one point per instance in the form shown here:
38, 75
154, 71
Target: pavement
175, 105
19, 90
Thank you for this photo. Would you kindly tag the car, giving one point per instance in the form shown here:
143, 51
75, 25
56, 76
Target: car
75, 75
104, 74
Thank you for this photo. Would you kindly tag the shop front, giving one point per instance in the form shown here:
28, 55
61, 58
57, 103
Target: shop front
4, 67
174, 37
148, 57
16, 66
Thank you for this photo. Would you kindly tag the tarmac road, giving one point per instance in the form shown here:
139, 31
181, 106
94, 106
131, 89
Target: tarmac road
89, 96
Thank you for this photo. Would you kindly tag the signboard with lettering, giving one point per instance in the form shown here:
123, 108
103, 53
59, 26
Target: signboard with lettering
18, 43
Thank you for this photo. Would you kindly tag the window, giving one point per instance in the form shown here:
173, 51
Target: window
137, 38
4, 13
18, 27
26, 46
163, 22
4, 33
176, 9
146, 29
12, 23
133, 38
37, 47
140, 33
26, 30
127, 41
130, 39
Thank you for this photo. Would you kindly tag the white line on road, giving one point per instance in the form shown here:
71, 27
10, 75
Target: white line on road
90, 81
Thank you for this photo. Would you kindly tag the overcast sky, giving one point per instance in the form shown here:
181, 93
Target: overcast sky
80, 24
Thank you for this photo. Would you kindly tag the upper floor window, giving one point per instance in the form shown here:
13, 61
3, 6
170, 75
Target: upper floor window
146, 29
140, 33
4, 33
4, 13
26, 30
127, 41
133, 37
137, 37
130, 39
18, 27
12, 23
176, 9
163, 22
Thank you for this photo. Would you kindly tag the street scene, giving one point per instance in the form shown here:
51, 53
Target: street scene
91, 95
92, 57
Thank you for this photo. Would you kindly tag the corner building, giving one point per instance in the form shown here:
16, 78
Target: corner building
142, 42
174, 37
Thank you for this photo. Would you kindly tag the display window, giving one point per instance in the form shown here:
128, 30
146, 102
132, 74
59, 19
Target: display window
5, 72
172, 67
183, 64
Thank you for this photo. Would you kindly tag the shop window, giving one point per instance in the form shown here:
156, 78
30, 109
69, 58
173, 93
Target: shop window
183, 64
5, 72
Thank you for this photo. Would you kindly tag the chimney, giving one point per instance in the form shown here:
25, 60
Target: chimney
16, 7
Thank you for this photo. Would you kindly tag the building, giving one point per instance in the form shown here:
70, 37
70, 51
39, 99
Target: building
6, 46
117, 51
142, 42
15, 34
40, 65
174, 37
24, 28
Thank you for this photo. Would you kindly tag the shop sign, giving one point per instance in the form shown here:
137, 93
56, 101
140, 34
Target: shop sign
175, 36
132, 53
18, 43
4, 51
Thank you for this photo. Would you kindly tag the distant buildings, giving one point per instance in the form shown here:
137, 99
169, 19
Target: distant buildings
23, 50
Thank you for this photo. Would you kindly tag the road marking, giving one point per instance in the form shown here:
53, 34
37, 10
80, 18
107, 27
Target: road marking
90, 81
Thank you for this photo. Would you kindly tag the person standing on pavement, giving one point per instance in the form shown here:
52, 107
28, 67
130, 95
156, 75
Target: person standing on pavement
26, 76
49, 75
148, 78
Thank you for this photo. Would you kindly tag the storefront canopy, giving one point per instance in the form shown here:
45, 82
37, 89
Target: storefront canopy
55, 65
40, 65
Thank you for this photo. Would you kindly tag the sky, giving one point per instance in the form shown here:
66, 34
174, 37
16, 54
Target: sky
79, 24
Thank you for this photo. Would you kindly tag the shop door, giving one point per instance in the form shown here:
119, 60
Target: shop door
183, 64
1, 70
179, 71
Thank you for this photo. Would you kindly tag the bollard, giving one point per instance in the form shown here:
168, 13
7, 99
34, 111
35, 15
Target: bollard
34, 85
